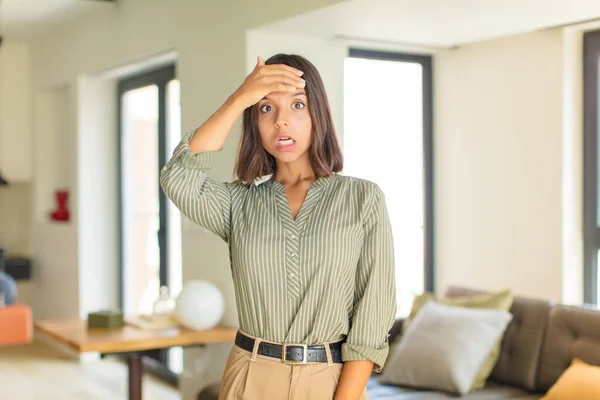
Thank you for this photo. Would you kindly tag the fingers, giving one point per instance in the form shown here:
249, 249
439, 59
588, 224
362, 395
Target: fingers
288, 80
281, 87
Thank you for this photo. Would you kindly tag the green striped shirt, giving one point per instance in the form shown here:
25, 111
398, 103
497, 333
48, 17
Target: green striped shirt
323, 276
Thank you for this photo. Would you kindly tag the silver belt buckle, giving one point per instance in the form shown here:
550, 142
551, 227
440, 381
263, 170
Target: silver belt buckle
283, 352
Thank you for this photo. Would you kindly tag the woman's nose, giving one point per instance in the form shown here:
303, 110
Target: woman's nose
282, 119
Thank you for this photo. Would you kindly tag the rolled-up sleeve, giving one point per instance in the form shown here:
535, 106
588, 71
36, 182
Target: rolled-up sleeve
185, 181
375, 289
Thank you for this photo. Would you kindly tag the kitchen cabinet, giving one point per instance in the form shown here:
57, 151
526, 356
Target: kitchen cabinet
16, 123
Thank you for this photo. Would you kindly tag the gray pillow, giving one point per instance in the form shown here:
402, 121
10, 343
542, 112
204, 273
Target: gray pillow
444, 347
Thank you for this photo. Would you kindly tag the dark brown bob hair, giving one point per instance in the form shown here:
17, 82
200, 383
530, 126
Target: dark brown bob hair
253, 161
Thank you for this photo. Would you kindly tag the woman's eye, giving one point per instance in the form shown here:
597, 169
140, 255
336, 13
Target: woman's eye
298, 105
265, 108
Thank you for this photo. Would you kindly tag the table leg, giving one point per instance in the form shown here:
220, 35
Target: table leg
136, 370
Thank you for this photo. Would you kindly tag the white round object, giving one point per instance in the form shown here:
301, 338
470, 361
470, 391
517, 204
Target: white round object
199, 306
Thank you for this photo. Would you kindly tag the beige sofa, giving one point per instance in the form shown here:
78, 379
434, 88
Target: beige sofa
537, 348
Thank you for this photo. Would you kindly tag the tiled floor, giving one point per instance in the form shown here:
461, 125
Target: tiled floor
38, 372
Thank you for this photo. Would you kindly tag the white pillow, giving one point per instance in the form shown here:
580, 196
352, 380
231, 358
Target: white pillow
444, 347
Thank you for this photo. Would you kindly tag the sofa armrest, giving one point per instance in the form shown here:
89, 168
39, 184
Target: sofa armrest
396, 329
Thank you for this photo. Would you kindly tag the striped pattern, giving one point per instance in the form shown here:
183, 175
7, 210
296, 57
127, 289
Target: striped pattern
326, 275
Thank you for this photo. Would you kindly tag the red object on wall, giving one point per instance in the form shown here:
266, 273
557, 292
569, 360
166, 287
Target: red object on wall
61, 213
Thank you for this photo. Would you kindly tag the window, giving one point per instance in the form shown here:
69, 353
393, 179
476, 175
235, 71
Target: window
150, 244
387, 140
591, 65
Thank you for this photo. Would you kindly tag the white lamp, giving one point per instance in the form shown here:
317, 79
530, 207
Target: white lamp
199, 306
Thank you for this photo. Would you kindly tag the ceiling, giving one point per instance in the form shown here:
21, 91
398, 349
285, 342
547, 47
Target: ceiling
26, 18
432, 23
437, 23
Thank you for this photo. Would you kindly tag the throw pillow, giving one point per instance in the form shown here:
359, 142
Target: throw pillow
444, 347
581, 381
499, 301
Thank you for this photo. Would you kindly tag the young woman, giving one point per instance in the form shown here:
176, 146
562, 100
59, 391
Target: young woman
311, 250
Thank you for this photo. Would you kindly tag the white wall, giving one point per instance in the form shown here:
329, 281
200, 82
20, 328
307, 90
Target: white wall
15, 111
499, 165
98, 186
572, 162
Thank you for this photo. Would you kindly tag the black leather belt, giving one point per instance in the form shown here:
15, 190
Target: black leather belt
292, 353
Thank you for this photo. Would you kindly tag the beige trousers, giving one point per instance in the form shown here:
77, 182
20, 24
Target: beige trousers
251, 376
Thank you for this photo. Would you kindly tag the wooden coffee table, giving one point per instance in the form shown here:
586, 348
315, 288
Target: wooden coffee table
129, 341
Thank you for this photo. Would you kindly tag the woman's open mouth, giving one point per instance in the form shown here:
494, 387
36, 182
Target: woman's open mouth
285, 144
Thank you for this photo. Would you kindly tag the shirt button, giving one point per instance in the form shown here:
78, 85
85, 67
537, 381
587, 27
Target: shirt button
292, 253
292, 236
292, 275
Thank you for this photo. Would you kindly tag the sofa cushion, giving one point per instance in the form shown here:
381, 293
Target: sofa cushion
522, 342
580, 381
444, 347
573, 332
501, 300
492, 391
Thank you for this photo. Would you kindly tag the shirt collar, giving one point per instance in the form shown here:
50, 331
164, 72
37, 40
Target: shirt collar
319, 182
262, 179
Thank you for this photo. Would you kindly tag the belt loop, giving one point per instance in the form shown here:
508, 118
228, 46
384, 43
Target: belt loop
255, 349
328, 352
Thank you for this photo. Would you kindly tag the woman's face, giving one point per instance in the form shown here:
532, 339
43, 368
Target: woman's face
284, 124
